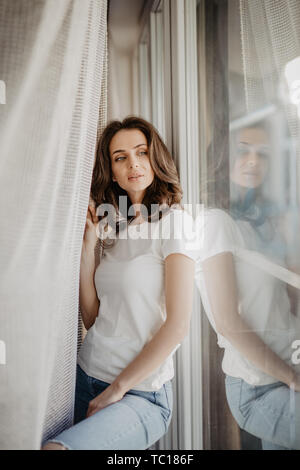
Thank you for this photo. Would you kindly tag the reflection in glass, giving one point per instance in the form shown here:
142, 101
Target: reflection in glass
250, 250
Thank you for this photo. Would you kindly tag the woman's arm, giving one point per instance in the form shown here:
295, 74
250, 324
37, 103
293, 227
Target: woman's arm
221, 285
88, 299
179, 284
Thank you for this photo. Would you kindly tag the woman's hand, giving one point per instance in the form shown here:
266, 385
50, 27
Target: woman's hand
90, 235
110, 395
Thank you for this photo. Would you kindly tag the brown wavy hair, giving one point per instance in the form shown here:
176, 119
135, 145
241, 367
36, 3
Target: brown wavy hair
165, 189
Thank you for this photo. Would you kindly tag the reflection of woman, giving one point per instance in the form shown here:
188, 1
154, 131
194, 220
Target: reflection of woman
142, 290
249, 308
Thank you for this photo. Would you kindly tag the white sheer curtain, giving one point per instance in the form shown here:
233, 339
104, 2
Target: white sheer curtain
270, 36
53, 63
270, 40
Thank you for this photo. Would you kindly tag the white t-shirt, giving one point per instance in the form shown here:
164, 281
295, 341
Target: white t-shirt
263, 299
130, 285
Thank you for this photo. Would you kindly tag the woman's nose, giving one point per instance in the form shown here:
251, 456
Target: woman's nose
252, 158
133, 161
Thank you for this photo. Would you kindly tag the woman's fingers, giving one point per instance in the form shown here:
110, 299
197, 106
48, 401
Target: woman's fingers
91, 410
89, 213
92, 211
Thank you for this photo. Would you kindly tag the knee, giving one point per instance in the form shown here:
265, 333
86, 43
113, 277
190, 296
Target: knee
53, 446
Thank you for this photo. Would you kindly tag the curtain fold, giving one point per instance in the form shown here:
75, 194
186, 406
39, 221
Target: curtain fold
53, 62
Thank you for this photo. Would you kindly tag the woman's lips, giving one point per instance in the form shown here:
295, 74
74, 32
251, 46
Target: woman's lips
135, 177
250, 173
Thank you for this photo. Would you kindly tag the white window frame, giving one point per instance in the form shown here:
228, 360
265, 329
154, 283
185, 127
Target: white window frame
144, 83
186, 151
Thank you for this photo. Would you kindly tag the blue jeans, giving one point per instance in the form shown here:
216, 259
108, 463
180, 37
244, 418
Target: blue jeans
136, 422
269, 412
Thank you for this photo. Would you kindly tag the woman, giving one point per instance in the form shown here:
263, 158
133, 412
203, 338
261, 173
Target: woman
136, 303
248, 307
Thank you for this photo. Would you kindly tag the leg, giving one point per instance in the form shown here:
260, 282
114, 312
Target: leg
135, 422
270, 412
270, 446
84, 393
53, 446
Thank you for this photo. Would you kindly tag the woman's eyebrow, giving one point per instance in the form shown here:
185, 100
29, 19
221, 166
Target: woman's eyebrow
262, 146
139, 145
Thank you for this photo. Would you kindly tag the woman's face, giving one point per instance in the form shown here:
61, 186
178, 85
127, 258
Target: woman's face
251, 158
130, 163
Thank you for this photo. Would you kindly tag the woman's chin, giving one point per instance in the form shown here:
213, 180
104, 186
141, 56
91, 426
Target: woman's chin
250, 183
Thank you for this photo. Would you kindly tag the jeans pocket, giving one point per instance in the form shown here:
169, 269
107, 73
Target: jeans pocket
229, 380
233, 387
164, 399
247, 397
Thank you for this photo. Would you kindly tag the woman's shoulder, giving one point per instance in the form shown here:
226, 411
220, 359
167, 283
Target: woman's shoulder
214, 218
217, 213
200, 217
217, 231
177, 215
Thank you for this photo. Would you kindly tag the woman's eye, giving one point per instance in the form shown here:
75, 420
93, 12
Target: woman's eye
242, 151
141, 153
